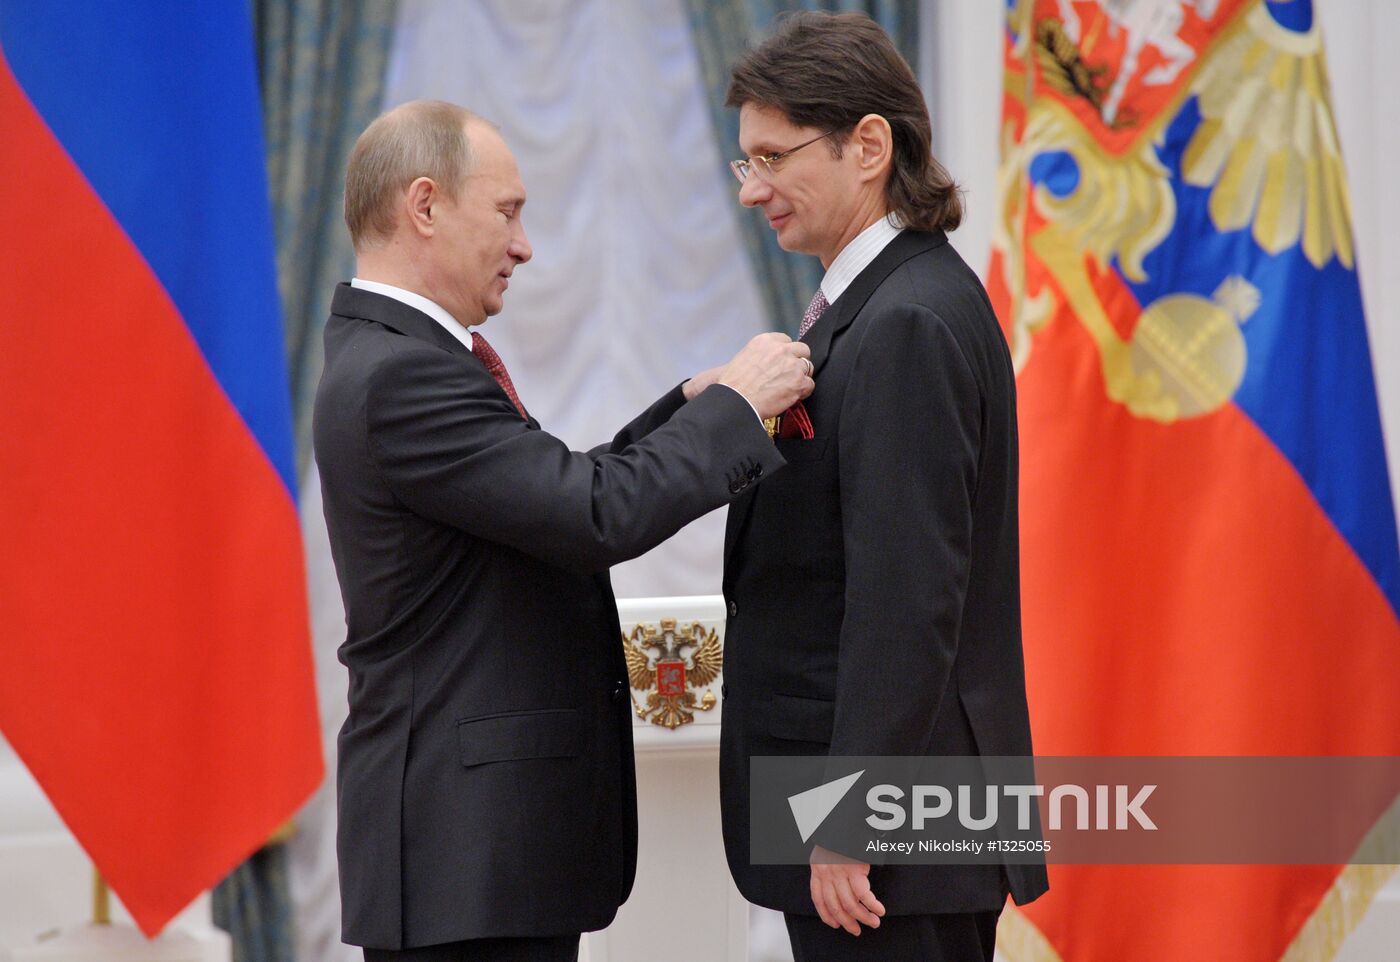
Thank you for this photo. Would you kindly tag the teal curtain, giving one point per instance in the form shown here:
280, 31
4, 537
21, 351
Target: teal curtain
254, 906
321, 65
723, 30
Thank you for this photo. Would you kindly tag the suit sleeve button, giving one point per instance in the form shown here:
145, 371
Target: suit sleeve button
733, 609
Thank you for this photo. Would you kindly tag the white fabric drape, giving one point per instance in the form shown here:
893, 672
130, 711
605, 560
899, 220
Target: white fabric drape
639, 278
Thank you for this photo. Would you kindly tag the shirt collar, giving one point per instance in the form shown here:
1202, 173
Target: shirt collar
857, 255
419, 302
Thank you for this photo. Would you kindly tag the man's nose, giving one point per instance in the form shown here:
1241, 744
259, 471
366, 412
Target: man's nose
754, 191
520, 248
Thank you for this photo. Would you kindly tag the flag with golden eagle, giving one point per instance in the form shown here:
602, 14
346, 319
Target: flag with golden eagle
1210, 563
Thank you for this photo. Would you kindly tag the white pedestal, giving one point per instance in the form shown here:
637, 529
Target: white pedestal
683, 907
122, 943
46, 887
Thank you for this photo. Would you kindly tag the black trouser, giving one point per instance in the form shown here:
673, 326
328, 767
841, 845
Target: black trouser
954, 937
561, 949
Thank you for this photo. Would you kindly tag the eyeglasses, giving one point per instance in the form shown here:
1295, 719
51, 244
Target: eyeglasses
765, 164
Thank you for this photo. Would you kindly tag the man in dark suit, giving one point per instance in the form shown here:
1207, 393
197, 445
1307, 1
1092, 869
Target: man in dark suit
873, 586
486, 787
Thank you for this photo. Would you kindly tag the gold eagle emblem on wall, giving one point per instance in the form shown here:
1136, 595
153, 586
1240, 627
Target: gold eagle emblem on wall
669, 663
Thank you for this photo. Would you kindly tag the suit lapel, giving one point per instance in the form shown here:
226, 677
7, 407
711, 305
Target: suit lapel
367, 305
839, 316
836, 319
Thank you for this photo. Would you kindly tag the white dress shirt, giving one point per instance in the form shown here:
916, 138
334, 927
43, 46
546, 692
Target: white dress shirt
857, 255
419, 302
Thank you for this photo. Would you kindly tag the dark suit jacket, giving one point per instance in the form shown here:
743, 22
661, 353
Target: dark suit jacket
873, 586
486, 783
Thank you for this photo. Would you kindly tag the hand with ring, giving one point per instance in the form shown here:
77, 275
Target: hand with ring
763, 373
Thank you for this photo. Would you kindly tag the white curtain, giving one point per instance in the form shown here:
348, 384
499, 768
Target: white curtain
639, 278
1359, 36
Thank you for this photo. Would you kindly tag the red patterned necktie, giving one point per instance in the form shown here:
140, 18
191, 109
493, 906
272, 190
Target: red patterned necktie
795, 423
497, 369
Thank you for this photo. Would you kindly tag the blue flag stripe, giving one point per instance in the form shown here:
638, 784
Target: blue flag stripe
1308, 379
157, 104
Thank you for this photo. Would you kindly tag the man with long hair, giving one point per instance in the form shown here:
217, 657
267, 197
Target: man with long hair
873, 587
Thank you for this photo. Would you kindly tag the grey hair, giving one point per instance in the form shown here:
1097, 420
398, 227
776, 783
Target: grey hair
422, 138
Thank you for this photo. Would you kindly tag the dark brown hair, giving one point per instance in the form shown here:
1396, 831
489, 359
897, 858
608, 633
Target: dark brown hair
827, 71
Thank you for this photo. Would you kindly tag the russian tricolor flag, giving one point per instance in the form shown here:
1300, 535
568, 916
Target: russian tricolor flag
155, 665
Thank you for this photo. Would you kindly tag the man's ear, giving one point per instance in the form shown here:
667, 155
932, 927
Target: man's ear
420, 200
874, 144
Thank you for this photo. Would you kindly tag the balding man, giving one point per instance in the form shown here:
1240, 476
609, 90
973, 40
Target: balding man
486, 787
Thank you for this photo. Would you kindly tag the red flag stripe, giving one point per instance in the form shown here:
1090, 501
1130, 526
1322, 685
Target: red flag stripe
158, 679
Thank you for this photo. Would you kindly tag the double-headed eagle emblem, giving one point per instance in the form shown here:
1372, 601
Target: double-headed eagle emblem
1083, 185
669, 663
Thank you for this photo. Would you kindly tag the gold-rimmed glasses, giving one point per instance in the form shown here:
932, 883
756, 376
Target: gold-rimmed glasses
764, 164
